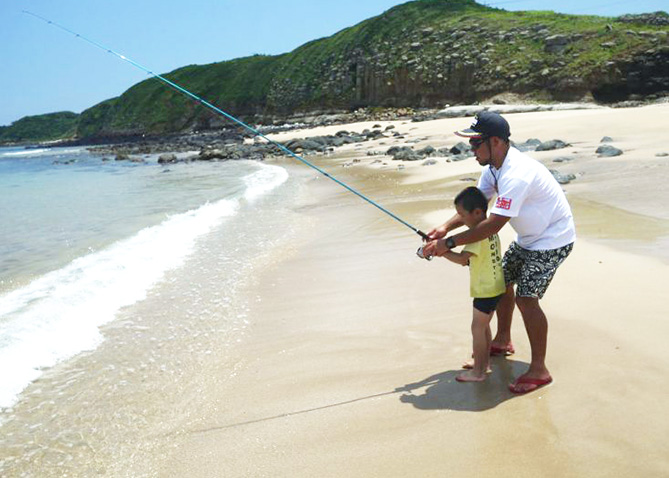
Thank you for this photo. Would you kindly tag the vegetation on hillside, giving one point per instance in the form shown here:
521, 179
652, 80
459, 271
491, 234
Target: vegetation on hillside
421, 53
48, 127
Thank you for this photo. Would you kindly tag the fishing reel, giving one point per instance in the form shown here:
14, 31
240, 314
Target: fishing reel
420, 254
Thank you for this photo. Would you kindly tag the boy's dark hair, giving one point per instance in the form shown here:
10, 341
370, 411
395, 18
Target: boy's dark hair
472, 198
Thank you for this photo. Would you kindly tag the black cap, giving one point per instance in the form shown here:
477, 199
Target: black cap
487, 124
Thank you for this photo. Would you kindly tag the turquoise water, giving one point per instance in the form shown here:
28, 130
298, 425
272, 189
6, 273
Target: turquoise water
82, 238
53, 213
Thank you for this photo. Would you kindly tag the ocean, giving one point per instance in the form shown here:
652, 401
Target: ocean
117, 275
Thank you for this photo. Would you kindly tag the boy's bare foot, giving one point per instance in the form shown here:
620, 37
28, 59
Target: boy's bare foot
470, 376
470, 365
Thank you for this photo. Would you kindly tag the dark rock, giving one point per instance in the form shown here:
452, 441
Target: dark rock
167, 158
376, 134
562, 178
529, 145
427, 151
408, 156
552, 145
235, 151
210, 155
460, 148
657, 18
309, 144
608, 151
563, 159
336, 142
556, 43
662, 155
606, 139
404, 153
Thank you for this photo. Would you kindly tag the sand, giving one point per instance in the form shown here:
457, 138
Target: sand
348, 366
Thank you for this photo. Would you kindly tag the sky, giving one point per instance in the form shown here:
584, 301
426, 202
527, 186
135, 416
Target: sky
44, 69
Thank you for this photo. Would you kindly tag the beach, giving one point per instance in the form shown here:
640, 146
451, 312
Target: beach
338, 355
352, 373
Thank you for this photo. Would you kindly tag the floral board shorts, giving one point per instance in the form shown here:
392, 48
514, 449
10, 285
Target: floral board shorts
532, 271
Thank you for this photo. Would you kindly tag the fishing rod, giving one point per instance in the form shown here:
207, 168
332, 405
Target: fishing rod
233, 119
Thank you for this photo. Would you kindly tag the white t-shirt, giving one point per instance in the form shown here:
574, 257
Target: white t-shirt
529, 194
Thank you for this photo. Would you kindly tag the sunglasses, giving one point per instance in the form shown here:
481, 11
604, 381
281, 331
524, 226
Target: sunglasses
476, 143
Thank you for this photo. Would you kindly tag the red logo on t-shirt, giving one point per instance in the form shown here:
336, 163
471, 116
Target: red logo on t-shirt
503, 203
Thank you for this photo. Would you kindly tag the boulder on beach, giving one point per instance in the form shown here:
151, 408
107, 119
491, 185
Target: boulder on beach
167, 158
608, 151
552, 145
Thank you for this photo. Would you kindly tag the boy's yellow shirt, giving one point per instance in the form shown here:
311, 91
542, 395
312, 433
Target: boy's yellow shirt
486, 277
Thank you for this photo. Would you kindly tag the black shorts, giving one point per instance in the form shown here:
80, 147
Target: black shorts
488, 304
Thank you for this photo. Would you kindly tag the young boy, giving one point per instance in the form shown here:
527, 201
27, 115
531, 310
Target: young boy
486, 280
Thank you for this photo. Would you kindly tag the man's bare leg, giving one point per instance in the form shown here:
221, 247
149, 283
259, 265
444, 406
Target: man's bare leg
536, 325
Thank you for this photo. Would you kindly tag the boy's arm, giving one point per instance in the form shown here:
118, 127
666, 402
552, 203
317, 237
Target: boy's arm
486, 228
461, 258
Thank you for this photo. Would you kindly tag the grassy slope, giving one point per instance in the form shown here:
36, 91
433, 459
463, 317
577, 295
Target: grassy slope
48, 127
307, 77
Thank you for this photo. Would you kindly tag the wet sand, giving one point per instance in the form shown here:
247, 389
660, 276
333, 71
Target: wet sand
348, 367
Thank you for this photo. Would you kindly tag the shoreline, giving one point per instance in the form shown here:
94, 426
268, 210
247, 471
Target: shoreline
348, 344
350, 366
173, 142
351, 362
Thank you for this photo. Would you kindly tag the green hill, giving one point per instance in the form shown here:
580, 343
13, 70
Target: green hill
423, 53
48, 127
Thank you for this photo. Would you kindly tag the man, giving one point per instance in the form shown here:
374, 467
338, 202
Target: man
532, 201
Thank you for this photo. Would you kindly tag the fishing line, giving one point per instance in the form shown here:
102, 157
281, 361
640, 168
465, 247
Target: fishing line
233, 119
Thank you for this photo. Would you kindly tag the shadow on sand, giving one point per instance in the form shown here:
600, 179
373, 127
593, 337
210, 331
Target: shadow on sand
443, 392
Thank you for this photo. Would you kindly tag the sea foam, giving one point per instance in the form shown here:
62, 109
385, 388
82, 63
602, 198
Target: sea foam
59, 314
263, 181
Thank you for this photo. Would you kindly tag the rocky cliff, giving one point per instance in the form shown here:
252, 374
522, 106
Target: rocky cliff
424, 53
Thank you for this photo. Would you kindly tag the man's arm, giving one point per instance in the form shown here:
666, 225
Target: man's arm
450, 225
484, 229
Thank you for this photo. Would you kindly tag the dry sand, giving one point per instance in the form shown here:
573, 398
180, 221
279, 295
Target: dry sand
348, 367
